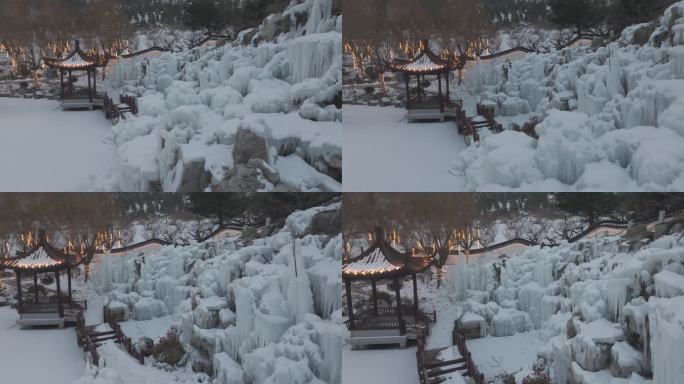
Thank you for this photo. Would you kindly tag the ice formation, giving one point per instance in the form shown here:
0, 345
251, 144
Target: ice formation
612, 116
604, 314
279, 81
242, 309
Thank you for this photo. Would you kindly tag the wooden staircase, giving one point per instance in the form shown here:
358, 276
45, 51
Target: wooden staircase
470, 127
97, 338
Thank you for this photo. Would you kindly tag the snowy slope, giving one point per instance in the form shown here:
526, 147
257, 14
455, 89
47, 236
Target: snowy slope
230, 118
243, 312
612, 116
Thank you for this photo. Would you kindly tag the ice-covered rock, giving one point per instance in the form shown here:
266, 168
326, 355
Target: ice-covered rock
508, 322
625, 360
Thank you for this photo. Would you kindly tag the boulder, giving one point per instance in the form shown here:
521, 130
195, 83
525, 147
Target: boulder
145, 346
326, 222
194, 178
592, 345
642, 33
625, 360
268, 172
249, 145
241, 178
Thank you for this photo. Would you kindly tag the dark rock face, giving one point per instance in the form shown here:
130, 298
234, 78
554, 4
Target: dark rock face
326, 222
249, 146
643, 34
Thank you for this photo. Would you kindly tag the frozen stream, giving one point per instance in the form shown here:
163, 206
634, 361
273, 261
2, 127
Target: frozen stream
43, 148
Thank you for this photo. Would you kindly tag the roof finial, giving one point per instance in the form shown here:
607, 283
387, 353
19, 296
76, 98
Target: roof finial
77, 44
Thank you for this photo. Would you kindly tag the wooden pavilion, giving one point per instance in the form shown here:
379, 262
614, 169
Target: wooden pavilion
77, 60
396, 324
420, 105
43, 258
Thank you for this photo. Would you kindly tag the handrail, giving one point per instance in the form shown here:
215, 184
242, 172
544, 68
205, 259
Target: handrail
459, 340
125, 341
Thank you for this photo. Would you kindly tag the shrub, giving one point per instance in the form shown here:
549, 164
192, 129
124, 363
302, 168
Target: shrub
169, 350
538, 377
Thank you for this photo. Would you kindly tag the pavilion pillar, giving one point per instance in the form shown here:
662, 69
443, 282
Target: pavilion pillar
61, 83
402, 325
439, 88
19, 289
95, 83
415, 295
408, 90
69, 285
90, 91
375, 298
350, 308
447, 87
59, 296
69, 80
35, 288
419, 88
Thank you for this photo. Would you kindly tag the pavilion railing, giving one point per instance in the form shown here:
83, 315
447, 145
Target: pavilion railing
44, 305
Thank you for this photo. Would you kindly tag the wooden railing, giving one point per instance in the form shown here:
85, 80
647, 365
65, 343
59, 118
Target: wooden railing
125, 341
459, 340
83, 340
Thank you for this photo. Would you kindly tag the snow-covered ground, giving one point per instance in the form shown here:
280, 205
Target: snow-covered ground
33, 356
384, 152
379, 366
43, 148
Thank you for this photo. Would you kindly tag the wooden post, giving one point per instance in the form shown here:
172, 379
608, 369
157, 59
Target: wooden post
447, 87
419, 88
35, 288
402, 326
375, 298
59, 296
95, 82
439, 87
61, 83
19, 289
415, 295
408, 91
90, 91
69, 283
350, 308
69, 80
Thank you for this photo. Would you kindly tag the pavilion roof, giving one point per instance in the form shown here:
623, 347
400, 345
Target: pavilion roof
426, 62
42, 257
76, 60
382, 260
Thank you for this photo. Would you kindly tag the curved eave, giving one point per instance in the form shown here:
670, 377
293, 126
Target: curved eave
405, 68
370, 274
61, 65
34, 268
